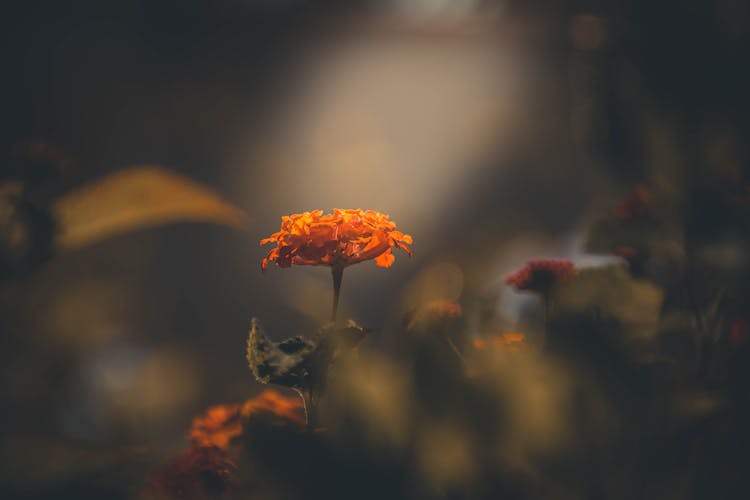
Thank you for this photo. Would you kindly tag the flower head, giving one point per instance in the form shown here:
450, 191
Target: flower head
275, 408
512, 342
635, 205
220, 425
200, 472
439, 313
340, 239
39, 161
539, 275
626, 252
636, 258
739, 333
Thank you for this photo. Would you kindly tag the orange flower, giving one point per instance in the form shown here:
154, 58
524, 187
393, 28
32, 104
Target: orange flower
275, 408
539, 275
433, 315
340, 239
510, 341
220, 425
443, 309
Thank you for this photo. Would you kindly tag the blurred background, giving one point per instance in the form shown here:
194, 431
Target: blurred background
490, 131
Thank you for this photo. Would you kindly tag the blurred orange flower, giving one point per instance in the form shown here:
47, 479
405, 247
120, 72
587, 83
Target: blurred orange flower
276, 407
340, 239
435, 314
220, 425
510, 341
539, 275
443, 309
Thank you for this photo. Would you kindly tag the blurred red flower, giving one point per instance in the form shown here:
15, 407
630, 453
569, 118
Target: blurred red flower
635, 258
36, 153
201, 472
635, 205
739, 333
539, 275
340, 239
626, 252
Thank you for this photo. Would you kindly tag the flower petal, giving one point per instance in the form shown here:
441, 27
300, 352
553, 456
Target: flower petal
385, 259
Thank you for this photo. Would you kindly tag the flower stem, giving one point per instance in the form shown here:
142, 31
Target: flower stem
545, 313
338, 274
455, 350
308, 406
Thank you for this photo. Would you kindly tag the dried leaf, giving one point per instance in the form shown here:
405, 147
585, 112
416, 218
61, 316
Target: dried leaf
298, 362
284, 363
336, 342
137, 198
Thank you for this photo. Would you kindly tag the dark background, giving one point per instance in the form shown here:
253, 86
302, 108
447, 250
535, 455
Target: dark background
108, 351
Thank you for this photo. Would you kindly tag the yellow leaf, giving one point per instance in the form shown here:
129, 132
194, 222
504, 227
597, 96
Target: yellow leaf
136, 198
